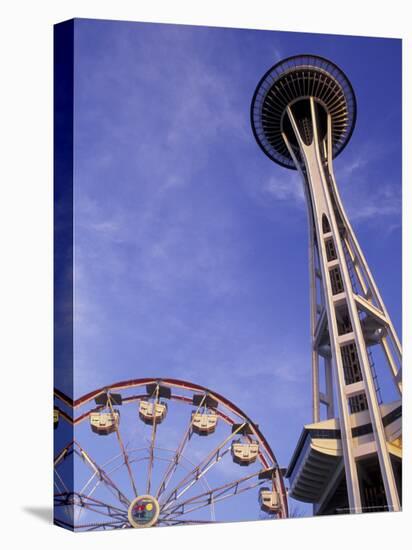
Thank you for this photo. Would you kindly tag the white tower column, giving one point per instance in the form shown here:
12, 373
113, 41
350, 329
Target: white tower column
355, 389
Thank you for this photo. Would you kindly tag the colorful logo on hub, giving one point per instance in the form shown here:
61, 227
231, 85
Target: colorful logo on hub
143, 511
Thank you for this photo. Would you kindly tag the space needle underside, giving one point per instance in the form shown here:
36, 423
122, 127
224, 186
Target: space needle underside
303, 114
316, 469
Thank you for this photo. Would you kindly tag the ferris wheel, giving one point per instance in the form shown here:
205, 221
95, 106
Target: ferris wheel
156, 452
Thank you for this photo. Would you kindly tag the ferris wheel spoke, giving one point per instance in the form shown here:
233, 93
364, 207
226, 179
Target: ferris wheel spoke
113, 470
97, 481
199, 476
109, 525
103, 477
79, 502
152, 442
63, 454
122, 448
94, 476
100, 507
212, 496
171, 469
208, 501
213, 458
64, 486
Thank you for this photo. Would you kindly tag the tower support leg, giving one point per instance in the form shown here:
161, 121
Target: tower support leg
355, 390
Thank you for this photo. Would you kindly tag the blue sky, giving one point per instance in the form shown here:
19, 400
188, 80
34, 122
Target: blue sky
190, 244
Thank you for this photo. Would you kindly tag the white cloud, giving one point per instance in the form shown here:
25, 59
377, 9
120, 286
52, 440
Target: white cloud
377, 207
286, 186
366, 196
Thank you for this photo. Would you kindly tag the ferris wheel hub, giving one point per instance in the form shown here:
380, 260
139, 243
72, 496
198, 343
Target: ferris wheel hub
143, 511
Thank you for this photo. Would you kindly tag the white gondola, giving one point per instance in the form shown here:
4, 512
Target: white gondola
104, 423
204, 423
55, 417
244, 453
152, 412
269, 500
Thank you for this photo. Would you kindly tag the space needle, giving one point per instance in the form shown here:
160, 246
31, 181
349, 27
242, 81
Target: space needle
349, 458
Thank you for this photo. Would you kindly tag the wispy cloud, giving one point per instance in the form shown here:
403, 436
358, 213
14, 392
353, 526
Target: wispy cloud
368, 196
382, 204
286, 186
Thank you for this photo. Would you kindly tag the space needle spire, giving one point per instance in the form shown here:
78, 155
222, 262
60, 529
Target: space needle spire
348, 459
